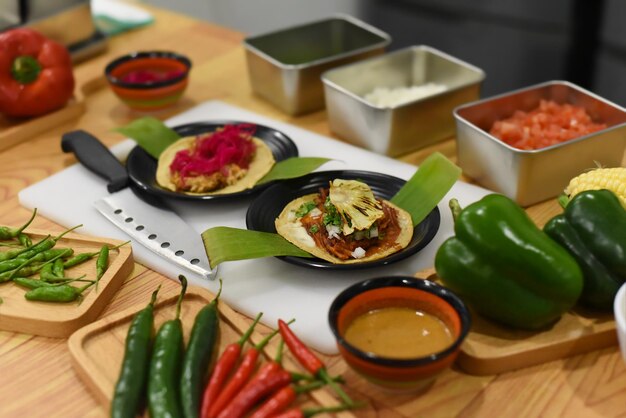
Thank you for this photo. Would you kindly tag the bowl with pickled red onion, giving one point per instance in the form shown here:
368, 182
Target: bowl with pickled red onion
149, 80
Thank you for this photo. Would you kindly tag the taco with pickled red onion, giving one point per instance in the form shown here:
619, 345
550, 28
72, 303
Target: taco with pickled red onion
345, 223
228, 160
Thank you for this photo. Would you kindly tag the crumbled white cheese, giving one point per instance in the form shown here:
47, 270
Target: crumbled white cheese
390, 97
333, 231
358, 253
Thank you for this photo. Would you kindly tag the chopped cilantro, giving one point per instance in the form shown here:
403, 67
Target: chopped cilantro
331, 217
314, 229
304, 209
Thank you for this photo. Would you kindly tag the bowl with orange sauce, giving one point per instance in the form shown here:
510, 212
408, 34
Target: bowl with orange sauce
399, 332
527, 144
149, 80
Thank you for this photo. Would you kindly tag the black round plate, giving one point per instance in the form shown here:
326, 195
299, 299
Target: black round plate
141, 166
268, 205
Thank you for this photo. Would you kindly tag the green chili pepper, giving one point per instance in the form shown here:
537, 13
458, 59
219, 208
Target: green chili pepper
10, 245
81, 258
197, 357
44, 256
505, 267
77, 259
25, 271
11, 254
131, 383
593, 230
30, 283
8, 233
56, 293
46, 244
164, 375
102, 263
24, 240
46, 273
58, 270
35, 283
66, 279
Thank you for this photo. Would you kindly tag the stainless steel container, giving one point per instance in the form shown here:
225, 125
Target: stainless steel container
285, 66
531, 176
402, 128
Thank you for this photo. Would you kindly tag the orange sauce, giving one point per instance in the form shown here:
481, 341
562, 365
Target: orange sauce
400, 333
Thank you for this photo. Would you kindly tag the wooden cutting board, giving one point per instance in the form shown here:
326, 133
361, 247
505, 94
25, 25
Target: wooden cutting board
16, 130
492, 349
97, 349
61, 319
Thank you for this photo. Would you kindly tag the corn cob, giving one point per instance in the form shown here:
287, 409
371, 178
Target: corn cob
613, 179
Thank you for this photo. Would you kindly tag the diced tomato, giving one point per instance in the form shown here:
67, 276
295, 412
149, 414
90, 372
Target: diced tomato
549, 124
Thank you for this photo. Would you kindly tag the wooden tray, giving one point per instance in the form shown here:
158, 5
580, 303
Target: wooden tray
61, 319
14, 131
97, 349
493, 349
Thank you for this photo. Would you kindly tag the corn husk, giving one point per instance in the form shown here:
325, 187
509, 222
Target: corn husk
430, 183
230, 244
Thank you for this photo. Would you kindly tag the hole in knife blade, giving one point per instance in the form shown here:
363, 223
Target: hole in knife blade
128, 220
179, 252
139, 228
165, 245
117, 211
195, 261
152, 236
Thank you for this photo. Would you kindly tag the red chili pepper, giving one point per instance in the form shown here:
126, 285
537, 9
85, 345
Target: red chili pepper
35, 73
282, 399
222, 369
307, 413
254, 391
292, 413
308, 360
239, 379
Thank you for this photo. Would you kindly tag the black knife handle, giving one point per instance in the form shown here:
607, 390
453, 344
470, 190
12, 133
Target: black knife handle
96, 157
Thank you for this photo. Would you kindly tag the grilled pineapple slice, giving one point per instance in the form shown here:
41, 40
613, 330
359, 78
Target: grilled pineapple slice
355, 203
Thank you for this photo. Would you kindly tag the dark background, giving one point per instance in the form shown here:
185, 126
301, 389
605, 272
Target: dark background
518, 42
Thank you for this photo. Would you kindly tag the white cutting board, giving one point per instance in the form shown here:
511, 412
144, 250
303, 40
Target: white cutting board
277, 289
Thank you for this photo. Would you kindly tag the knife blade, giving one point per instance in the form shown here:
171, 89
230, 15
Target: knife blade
159, 229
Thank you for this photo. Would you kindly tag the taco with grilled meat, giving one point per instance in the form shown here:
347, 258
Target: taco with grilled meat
228, 160
345, 223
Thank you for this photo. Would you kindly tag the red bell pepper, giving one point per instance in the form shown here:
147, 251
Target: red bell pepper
35, 73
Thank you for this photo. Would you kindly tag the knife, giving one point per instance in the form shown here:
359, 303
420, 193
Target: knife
153, 225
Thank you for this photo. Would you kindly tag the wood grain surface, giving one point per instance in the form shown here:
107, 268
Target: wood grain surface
36, 376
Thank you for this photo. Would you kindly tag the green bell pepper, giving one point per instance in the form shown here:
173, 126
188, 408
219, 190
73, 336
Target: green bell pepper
593, 230
505, 267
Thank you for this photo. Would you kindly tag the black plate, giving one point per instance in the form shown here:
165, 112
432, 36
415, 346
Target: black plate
142, 166
268, 205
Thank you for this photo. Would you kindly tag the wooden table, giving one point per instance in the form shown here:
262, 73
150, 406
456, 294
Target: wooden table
36, 378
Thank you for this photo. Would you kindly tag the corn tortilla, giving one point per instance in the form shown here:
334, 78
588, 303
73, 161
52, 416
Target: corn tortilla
261, 164
290, 228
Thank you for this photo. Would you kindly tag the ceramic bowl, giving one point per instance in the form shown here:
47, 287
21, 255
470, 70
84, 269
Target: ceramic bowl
619, 310
399, 291
149, 80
